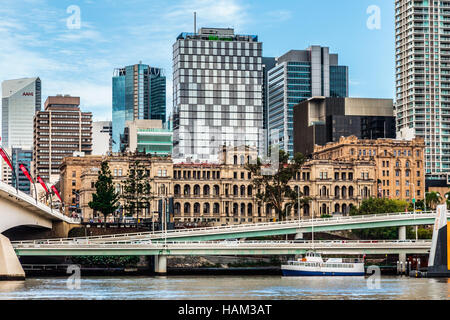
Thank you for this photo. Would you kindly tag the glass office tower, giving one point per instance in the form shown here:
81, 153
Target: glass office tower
21, 99
297, 76
22, 156
139, 93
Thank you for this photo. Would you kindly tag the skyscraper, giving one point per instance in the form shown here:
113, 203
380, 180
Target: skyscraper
139, 92
217, 93
299, 75
21, 99
422, 40
60, 131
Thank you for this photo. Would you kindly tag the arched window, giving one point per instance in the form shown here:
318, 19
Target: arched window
216, 208
250, 209
242, 160
407, 164
250, 191
336, 207
268, 209
350, 192
324, 209
216, 190
235, 208
196, 207
306, 210
187, 190
324, 191
344, 192
235, 190
177, 190
344, 209
336, 192
177, 208
196, 190
242, 191
187, 207
235, 160
306, 191
242, 209
206, 190
206, 208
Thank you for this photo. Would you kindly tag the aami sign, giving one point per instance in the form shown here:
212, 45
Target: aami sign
28, 94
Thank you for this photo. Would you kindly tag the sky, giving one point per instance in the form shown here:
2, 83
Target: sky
75, 56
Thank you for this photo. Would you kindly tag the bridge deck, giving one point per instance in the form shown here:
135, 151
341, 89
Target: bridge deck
120, 248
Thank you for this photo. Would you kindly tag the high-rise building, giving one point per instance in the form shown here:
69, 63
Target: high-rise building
297, 76
61, 130
22, 156
217, 93
101, 137
147, 136
320, 120
139, 92
422, 39
268, 64
21, 99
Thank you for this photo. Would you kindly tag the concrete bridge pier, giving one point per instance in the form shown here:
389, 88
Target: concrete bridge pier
299, 235
10, 267
161, 264
402, 256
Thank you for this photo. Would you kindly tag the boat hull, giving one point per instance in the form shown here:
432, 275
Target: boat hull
304, 273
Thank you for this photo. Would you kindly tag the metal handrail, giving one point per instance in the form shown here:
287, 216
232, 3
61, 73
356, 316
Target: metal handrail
269, 225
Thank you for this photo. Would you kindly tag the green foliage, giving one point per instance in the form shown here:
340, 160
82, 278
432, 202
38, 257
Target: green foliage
106, 261
432, 199
377, 206
326, 216
105, 199
274, 189
137, 193
422, 233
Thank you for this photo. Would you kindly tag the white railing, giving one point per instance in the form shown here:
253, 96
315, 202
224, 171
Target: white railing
11, 191
259, 226
224, 243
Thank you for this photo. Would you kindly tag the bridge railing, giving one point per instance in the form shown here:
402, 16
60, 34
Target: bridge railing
32, 202
87, 244
261, 225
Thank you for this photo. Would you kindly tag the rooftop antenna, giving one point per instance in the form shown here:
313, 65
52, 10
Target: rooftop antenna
195, 22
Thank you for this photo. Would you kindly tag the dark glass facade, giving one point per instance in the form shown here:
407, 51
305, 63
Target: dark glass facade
139, 92
20, 156
339, 81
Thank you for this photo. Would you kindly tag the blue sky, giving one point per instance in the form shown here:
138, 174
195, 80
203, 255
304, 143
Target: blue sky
35, 39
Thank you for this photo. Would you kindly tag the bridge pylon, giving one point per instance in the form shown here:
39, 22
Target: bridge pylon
10, 267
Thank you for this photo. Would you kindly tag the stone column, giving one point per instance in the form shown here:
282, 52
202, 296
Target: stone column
10, 267
161, 264
402, 256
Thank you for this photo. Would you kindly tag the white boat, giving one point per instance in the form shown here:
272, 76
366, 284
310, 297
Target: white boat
313, 265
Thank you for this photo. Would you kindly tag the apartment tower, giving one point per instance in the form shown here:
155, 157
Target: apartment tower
422, 41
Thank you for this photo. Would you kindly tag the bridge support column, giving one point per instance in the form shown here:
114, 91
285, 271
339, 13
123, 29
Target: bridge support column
299, 235
161, 264
402, 256
10, 267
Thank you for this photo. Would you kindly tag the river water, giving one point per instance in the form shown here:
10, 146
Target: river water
226, 287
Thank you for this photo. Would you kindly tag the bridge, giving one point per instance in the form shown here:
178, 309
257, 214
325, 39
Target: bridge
297, 227
145, 248
20, 209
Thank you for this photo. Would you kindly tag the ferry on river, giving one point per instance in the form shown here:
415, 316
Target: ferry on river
313, 265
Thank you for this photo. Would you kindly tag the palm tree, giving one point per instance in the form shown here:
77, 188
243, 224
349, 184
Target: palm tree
432, 199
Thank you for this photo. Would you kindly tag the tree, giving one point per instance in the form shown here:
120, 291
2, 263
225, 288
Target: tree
376, 206
432, 199
137, 190
274, 189
105, 199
